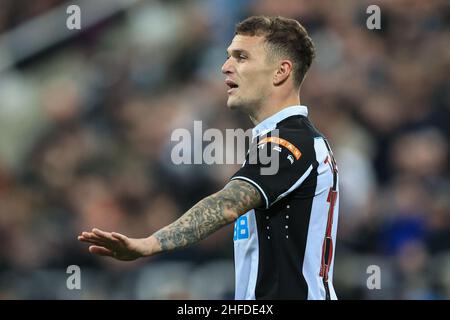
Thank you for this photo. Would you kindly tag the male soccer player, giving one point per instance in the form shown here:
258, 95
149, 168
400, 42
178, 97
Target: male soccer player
285, 223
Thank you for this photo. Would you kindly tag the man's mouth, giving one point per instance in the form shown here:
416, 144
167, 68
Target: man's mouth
231, 85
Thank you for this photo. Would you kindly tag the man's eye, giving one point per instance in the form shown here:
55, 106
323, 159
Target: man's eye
237, 57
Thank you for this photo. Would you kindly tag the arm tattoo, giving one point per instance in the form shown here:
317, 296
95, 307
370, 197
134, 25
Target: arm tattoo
209, 215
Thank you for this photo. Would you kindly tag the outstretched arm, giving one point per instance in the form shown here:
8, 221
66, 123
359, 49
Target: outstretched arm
204, 218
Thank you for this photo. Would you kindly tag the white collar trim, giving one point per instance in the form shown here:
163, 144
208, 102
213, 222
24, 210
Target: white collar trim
270, 123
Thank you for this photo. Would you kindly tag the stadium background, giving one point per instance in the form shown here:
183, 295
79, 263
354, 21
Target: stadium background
86, 118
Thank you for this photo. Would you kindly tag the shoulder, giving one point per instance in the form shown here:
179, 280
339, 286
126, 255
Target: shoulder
294, 135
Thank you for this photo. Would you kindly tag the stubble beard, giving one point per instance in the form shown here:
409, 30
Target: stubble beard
249, 108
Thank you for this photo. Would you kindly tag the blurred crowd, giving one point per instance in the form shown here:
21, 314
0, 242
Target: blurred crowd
85, 140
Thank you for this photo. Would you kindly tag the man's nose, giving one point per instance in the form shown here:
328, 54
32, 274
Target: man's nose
227, 67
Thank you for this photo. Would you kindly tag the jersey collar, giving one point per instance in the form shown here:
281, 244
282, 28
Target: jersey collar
270, 123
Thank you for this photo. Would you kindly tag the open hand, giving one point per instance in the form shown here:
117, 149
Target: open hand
116, 245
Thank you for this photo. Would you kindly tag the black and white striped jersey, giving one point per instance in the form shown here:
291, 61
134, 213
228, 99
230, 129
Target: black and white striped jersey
285, 249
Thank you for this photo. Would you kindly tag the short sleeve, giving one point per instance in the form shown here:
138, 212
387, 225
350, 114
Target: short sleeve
277, 165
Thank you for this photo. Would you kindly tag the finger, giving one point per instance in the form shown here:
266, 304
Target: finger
103, 234
86, 234
93, 241
122, 238
90, 235
81, 238
101, 251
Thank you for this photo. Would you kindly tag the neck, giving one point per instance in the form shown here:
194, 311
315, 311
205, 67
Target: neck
273, 106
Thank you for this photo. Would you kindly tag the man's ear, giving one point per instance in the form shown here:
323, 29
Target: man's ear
283, 72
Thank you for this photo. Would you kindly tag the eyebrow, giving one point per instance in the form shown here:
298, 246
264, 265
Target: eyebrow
229, 52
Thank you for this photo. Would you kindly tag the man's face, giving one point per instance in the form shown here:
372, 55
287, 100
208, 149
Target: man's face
249, 74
